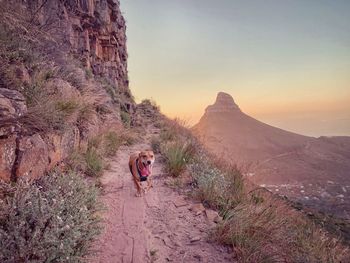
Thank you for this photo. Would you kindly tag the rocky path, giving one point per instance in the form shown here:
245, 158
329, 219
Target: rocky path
158, 227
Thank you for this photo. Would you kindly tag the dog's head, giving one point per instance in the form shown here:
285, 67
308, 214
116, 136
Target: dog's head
147, 158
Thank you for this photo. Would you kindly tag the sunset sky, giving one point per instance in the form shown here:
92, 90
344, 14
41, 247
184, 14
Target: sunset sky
285, 62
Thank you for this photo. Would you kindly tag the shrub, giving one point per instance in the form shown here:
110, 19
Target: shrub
94, 162
129, 137
177, 155
112, 141
67, 107
76, 162
125, 116
88, 73
272, 232
51, 220
44, 117
221, 188
155, 144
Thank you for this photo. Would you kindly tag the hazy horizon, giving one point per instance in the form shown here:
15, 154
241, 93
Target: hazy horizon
286, 63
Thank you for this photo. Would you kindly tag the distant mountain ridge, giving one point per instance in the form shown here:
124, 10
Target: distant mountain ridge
254, 140
275, 157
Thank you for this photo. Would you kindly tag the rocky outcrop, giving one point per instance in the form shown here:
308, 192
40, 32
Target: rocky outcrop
95, 30
86, 76
224, 103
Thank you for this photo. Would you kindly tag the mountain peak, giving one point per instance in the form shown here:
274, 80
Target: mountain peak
224, 103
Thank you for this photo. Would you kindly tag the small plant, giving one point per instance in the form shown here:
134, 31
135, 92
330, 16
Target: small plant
53, 219
76, 162
88, 73
49, 74
67, 107
156, 144
112, 141
153, 254
73, 75
177, 155
129, 137
94, 162
125, 116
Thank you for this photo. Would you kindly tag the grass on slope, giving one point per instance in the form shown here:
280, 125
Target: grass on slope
258, 225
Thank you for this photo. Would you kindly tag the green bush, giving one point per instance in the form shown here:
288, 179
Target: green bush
221, 188
53, 219
67, 107
177, 154
94, 162
125, 116
112, 141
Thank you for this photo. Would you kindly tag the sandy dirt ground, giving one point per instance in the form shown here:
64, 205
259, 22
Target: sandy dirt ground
158, 227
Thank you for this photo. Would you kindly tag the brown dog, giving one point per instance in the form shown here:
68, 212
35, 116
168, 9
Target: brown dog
140, 164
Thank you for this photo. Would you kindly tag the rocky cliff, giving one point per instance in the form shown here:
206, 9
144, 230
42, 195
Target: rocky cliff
63, 80
224, 103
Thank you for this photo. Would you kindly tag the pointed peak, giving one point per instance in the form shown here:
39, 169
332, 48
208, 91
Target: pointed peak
224, 103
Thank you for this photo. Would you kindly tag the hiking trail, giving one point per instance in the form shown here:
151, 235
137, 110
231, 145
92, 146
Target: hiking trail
158, 227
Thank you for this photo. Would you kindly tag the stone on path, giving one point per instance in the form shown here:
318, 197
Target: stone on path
212, 216
179, 202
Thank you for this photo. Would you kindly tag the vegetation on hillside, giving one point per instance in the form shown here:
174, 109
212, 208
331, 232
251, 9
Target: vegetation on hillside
53, 219
260, 226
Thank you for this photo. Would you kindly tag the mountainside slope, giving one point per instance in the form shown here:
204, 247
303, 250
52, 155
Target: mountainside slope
245, 138
63, 81
312, 170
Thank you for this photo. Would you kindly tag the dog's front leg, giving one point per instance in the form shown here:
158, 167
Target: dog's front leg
138, 188
149, 184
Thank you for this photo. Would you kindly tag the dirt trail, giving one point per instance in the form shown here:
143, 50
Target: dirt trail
150, 228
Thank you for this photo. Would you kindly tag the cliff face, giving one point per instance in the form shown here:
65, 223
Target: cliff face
63, 80
224, 103
94, 30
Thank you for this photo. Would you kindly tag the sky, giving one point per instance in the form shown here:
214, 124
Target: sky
285, 62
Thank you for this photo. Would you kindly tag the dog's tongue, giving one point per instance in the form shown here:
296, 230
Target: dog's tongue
146, 170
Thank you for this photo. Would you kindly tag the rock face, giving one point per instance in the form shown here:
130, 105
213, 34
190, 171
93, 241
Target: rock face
12, 103
93, 29
224, 103
87, 39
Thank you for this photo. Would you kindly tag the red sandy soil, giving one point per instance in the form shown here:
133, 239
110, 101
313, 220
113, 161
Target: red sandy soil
151, 228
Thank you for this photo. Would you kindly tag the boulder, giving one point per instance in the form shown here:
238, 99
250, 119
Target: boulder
197, 208
12, 103
62, 89
33, 160
22, 74
213, 216
63, 145
180, 201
